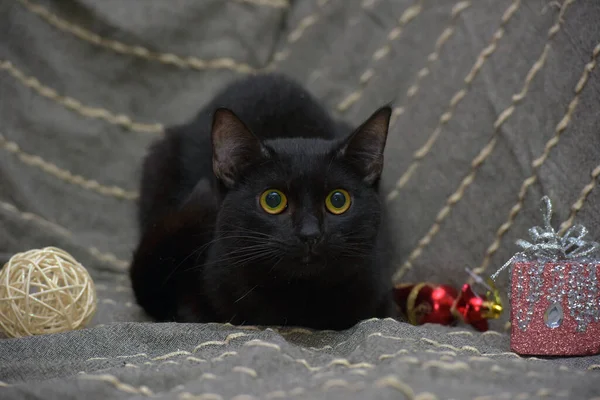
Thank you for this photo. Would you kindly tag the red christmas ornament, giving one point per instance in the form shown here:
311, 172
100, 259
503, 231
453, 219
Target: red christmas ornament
424, 303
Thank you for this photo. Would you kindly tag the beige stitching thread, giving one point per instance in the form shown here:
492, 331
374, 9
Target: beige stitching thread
379, 334
460, 333
209, 376
426, 396
455, 366
487, 149
454, 349
245, 370
344, 362
241, 327
267, 3
296, 34
109, 301
335, 362
449, 346
169, 355
65, 175
441, 345
27, 216
124, 387
185, 62
394, 355
492, 333
204, 396
338, 361
126, 356
392, 382
443, 352
261, 343
225, 342
409, 15
534, 374
446, 34
4, 384
195, 359
408, 360
587, 189
342, 383
500, 370
361, 372
75, 105
594, 367
387, 382
178, 352
447, 362
538, 162
483, 56
295, 331
94, 252
225, 355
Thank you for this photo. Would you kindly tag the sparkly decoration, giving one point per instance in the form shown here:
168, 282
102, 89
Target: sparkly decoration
555, 292
424, 303
553, 317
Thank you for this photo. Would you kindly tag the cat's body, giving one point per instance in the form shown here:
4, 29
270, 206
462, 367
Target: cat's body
212, 247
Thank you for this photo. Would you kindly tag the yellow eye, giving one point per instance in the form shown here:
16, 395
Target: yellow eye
273, 201
338, 201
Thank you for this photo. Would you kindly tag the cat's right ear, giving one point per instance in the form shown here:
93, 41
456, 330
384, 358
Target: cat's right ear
235, 147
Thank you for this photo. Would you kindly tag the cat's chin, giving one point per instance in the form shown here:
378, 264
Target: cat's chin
305, 267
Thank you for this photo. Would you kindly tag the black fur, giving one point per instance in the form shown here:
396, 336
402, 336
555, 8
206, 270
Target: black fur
209, 252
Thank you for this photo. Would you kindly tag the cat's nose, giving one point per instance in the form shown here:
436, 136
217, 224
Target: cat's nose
309, 232
311, 238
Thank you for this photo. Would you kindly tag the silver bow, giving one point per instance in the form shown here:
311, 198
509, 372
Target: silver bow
548, 245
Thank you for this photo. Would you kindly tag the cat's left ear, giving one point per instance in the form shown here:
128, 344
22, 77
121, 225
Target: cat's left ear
364, 148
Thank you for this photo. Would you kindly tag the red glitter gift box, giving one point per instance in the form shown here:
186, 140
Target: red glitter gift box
555, 292
555, 308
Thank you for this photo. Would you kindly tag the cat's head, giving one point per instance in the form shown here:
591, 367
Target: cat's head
299, 202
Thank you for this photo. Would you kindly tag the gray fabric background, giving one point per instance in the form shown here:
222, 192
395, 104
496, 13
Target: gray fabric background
74, 88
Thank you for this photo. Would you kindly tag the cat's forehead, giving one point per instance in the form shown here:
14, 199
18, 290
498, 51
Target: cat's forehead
301, 159
293, 148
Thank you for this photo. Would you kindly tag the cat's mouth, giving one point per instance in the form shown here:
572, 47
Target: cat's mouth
310, 255
308, 258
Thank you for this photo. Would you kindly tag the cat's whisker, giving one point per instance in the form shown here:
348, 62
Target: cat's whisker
252, 233
275, 265
243, 255
246, 294
248, 260
205, 246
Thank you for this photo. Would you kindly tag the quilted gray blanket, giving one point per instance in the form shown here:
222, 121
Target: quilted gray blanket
496, 104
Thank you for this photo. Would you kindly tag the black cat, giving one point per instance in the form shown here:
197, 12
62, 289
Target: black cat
265, 211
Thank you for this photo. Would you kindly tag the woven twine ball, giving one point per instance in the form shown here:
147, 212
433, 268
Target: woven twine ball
45, 291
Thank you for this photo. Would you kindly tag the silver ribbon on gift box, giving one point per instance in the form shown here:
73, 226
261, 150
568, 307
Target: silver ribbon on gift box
579, 284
